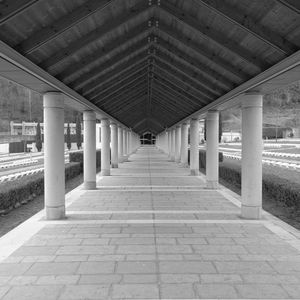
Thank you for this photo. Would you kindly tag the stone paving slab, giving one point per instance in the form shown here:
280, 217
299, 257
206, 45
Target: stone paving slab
153, 244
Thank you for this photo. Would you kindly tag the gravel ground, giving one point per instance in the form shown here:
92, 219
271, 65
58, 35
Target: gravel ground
24, 212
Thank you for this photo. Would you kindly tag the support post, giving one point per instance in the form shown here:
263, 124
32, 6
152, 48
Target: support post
54, 159
194, 147
105, 147
89, 150
173, 144
120, 144
184, 145
177, 143
125, 145
212, 149
114, 145
252, 156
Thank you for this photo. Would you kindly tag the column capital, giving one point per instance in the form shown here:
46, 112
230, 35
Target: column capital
252, 100
89, 115
212, 115
53, 100
105, 122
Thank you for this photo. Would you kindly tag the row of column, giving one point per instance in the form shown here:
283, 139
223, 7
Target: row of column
175, 143
117, 143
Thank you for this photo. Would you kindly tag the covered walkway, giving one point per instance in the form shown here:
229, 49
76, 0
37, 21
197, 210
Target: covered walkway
151, 231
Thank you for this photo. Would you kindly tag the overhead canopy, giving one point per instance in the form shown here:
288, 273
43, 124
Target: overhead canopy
151, 63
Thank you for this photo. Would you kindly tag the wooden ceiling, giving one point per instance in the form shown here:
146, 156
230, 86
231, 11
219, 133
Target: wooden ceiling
151, 63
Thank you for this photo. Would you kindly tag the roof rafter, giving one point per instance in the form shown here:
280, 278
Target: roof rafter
133, 88
246, 23
224, 42
115, 74
203, 51
122, 57
181, 81
61, 25
210, 91
133, 104
95, 35
122, 87
293, 5
125, 41
10, 9
178, 55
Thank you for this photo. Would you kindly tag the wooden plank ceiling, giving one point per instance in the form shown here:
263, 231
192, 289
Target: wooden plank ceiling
151, 63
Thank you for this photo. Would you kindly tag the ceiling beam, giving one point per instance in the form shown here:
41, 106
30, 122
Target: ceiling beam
171, 114
123, 80
177, 86
114, 75
218, 38
166, 32
206, 87
121, 88
133, 89
95, 35
170, 99
64, 23
186, 98
293, 5
194, 64
245, 22
124, 41
176, 78
105, 67
11, 8
127, 107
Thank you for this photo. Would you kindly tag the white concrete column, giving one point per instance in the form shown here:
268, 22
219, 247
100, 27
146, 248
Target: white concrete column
124, 144
54, 156
120, 144
114, 145
252, 156
212, 149
127, 143
169, 142
105, 147
184, 145
177, 143
173, 132
89, 150
194, 147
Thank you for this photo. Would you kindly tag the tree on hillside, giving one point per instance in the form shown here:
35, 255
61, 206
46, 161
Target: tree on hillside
78, 131
68, 137
38, 138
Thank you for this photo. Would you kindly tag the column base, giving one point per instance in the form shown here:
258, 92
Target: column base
212, 184
55, 213
89, 185
194, 172
177, 161
125, 158
251, 212
114, 165
105, 172
121, 160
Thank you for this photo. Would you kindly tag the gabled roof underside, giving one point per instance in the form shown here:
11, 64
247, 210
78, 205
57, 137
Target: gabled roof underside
151, 63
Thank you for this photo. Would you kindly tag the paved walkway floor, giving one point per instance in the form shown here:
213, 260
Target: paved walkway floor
151, 231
